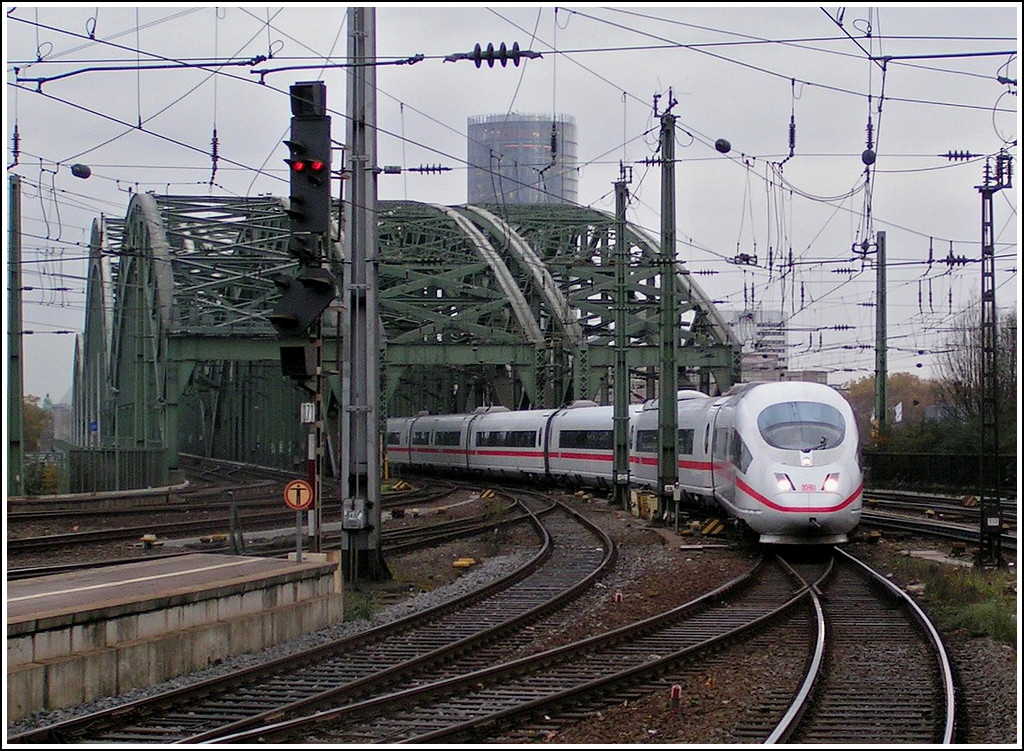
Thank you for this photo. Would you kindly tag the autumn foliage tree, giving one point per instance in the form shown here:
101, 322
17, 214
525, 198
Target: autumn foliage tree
912, 426
41, 478
38, 423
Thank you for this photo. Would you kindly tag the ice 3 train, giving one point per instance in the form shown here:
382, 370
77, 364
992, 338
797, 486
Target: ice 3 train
781, 457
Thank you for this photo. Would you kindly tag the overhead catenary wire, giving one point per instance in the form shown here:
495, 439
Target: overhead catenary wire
712, 258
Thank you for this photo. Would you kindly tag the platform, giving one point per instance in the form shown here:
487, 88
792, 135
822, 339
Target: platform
76, 637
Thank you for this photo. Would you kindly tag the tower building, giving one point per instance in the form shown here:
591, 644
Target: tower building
521, 159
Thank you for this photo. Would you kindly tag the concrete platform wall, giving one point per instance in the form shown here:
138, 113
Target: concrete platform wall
60, 662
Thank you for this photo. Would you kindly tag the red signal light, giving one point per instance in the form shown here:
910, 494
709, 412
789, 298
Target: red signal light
309, 166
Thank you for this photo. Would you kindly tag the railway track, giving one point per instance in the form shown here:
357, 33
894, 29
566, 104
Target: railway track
573, 553
838, 689
394, 542
160, 530
802, 714
965, 508
884, 677
209, 481
937, 528
128, 517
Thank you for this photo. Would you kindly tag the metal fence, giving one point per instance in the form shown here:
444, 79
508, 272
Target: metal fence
951, 472
46, 472
71, 469
99, 469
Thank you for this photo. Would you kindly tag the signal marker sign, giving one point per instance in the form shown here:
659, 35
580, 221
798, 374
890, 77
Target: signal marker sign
298, 494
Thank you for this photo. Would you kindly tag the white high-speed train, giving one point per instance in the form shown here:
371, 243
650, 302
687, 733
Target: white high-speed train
781, 457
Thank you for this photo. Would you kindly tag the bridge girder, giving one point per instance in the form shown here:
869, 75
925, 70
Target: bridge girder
478, 305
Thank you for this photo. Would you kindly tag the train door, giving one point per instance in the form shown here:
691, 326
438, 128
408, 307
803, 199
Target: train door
723, 473
461, 458
472, 458
694, 455
548, 444
397, 442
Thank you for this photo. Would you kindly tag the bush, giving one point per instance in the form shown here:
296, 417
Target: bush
360, 606
979, 601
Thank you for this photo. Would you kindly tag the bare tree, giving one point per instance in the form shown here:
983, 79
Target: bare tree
1009, 397
959, 368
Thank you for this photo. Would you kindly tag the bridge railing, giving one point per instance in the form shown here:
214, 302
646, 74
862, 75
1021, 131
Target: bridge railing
72, 469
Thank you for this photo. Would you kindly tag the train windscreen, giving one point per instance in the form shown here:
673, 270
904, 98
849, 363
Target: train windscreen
803, 426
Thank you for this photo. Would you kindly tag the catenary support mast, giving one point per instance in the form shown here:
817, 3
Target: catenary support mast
360, 419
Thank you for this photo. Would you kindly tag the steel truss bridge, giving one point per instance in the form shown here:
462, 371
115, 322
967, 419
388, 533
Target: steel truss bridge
509, 305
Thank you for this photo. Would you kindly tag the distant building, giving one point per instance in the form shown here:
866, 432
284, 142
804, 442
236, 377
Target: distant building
62, 422
765, 340
814, 376
521, 159
763, 366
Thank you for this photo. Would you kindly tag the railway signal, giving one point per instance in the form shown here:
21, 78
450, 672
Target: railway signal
309, 160
307, 295
304, 298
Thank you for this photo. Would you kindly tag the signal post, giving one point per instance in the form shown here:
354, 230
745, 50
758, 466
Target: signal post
305, 296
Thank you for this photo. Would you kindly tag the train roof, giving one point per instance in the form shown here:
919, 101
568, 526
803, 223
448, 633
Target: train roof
683, 395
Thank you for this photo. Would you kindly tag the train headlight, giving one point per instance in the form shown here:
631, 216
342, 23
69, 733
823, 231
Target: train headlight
831, 484
783, 482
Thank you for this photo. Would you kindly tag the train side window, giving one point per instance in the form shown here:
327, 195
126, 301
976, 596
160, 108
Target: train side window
585, 439
521, 438
394, 438
707, 434
647, 440
447, 438
421, 438
685, 441
741, 455
507, 438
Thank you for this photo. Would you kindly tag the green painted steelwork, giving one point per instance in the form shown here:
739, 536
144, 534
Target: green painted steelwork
506, 305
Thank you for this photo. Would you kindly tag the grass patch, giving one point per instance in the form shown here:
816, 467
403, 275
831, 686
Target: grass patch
981, 602
360, 606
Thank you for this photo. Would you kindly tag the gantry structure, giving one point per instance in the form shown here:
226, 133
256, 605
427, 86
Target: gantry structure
479, 305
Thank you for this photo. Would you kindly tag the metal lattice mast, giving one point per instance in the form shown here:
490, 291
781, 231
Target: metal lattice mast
620, 407
668, 377
15, 423
990, 552
881, 351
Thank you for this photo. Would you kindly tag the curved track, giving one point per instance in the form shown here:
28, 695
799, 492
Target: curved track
573, 554
884, 678
879, 647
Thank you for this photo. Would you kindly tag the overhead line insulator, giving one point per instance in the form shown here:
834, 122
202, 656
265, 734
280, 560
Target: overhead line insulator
960, 156
491, 54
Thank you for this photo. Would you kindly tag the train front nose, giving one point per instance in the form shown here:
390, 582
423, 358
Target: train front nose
815, 501
803, 488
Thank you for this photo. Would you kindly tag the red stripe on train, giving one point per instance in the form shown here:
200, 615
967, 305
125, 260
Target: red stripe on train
813, 509
582, 457
519, 454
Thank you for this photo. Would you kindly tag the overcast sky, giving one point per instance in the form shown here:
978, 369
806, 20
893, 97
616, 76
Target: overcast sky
799, 91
